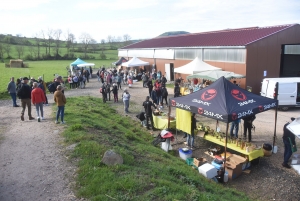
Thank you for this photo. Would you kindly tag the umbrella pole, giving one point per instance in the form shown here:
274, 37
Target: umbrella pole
274, 137
225, 149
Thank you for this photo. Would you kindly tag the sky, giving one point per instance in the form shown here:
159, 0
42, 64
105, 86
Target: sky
141, 19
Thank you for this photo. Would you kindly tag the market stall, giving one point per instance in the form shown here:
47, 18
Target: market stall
225, 102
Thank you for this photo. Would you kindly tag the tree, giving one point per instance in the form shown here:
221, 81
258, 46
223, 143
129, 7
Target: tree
126, 39
94, 45
110, 41
20, 47
1, 51
86, 40
102, 47
44, 40
38, 43
7, 45
70, 39
49, 39
56, 36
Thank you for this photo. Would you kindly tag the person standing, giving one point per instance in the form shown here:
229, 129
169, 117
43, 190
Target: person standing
42, 85
150, 86
191, 138
24, 94
60, 100
126, 98
115, 92
163, 81
164, 94
176, 90
119, 80
108, 91
38, 99
11, 88
248, 126
148, 105
288, 138
103, 92
154, 96
235, 126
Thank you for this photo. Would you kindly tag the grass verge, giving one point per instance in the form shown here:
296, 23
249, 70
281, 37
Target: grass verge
148, 173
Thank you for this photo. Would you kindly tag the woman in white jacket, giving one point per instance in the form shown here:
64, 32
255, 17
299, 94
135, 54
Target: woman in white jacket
126, 98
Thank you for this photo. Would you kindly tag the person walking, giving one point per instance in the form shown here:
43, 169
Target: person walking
60, 100
24, 93
148, 105
11, 88
248, 126
38, 99
289, 142
126, 98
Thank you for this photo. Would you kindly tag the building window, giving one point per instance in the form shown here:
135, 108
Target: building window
225, 55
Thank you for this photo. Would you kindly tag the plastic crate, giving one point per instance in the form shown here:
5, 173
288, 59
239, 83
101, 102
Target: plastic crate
190, 161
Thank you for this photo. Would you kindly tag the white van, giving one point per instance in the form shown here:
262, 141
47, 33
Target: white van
288, 93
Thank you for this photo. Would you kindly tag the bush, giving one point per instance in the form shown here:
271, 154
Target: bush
102, 56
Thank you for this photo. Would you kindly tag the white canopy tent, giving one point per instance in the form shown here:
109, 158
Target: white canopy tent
195, 66
294, 127
135, 62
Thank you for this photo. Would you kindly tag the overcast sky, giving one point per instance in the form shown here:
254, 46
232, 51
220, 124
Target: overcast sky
141, 18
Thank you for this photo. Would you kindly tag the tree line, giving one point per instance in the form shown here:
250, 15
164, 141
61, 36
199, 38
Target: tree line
48, 44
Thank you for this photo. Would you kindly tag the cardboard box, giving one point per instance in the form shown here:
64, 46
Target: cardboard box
199, 161
234, 165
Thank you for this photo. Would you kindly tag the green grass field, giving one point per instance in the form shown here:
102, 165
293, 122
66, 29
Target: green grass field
40, 68
110, 54
148, 172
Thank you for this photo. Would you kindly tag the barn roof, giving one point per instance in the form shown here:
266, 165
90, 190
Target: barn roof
228, 37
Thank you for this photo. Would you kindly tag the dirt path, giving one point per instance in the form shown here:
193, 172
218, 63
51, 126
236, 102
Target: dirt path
31, 160
33, 166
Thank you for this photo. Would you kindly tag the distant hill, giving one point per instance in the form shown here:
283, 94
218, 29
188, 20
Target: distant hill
173, 33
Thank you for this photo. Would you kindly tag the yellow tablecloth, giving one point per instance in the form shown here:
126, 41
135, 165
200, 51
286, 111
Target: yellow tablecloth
162, 123
252, 155
184, 91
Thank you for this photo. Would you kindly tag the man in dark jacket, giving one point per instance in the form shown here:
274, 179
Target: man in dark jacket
163, 81
24, 93
287, 145
150, 86
148, 105
248, 126
164, 93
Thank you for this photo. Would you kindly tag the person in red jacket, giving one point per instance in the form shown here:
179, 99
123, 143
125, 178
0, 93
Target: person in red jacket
38, 99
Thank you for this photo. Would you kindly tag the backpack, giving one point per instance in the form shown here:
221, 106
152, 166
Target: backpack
52, 87
20, 92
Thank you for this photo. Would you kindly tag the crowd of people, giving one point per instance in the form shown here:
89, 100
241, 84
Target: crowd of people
31, 91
